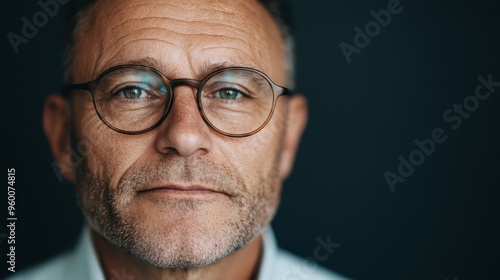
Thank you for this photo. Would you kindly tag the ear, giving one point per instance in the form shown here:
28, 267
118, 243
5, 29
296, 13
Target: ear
56, 127
295, 124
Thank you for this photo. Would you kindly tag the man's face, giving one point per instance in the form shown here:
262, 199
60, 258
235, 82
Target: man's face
134, 188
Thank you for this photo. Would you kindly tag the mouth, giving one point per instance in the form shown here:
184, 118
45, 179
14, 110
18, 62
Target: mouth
181, 191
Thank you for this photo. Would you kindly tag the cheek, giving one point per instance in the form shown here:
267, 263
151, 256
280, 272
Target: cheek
112, 156
107, 153
267, 143
255, 156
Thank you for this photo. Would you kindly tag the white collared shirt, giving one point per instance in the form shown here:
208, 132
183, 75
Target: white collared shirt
82, 264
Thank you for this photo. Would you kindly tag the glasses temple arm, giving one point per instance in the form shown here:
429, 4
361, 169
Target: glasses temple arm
68, 89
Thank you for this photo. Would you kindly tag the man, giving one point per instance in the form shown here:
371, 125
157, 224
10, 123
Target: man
188, 132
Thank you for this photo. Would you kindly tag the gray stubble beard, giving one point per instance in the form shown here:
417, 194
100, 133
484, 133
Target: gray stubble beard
104, 211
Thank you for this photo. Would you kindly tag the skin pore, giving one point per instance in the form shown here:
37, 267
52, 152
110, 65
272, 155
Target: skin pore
210, 234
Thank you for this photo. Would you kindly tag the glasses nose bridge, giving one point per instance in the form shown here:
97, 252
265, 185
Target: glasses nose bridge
185, 82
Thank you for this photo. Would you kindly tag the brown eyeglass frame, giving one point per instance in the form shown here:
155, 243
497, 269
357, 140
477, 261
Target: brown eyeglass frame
198, 84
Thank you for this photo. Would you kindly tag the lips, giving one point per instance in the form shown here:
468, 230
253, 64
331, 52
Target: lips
187, 189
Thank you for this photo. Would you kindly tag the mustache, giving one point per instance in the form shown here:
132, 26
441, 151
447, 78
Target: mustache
194, 170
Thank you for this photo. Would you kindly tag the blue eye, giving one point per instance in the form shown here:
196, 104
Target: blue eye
133, 93
228, 93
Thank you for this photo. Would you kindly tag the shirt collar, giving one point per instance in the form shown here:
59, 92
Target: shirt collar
269, 254
87, 259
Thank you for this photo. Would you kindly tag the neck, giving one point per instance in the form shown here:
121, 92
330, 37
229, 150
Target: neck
119, 264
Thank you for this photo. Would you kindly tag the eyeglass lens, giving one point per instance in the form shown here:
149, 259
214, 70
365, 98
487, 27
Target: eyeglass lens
234, 101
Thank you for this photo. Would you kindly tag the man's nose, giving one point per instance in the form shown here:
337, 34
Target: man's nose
184, 131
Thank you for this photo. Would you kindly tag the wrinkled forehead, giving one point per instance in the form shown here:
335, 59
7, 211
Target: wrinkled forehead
183, 36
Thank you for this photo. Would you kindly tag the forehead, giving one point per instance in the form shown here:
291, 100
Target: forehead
184, 36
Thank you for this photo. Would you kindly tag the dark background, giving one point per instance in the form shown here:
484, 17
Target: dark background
441, 223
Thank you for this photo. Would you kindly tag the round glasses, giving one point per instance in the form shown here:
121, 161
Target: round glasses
134, 99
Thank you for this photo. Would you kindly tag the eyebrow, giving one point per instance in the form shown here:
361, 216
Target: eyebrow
207, 67
147, 61
201, 71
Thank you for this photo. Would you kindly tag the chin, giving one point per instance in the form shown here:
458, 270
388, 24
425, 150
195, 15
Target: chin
182, 233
